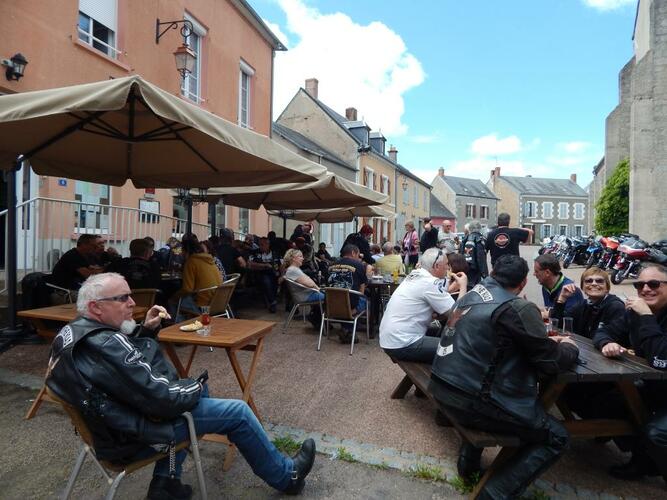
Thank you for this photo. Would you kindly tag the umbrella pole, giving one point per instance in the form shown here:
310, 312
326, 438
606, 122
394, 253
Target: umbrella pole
188, 208
11, 333
284, 226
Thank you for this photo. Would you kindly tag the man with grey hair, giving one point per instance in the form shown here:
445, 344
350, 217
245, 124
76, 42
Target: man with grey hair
473, 248
411, 309
391, 262
131, 397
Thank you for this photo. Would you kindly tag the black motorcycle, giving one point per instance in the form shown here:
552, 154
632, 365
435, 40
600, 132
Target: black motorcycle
576, 252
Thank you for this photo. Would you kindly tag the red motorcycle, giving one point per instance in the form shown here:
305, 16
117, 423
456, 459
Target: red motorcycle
628, 265
610, 252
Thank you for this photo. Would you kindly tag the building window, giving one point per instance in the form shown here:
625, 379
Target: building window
579, 211
415, 193
406, 196
244, 220
369, 178
245, 78
563, 210
191, 82
547, 210
92, 212
385, 185
530, 209
484, 212
562, 229
546, 230
470, 210
578, 230
97, 25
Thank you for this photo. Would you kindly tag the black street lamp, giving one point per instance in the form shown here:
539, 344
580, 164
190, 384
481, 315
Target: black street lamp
15, 66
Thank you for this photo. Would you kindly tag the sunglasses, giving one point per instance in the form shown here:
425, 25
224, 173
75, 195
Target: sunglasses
652, 284
597, 281
116, 298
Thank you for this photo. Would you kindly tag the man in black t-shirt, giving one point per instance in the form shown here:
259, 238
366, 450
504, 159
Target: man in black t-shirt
505, 240
429, 237
231, 258
137, 269
265, 265
75, 266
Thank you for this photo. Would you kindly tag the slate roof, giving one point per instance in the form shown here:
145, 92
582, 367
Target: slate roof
439, 210
544, 187
303, 142
468, 187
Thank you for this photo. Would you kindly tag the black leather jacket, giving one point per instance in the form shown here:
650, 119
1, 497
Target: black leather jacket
126, 390
493, 350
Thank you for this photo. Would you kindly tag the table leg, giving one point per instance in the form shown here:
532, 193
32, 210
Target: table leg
190, 359
550, 395
501, 458
36, 404
246, 385
171, 352
634, 401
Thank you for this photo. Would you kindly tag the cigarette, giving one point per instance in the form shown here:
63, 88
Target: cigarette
162, 314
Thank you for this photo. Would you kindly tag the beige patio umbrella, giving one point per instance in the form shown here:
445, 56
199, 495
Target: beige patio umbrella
329, 192
128, 129
332, 215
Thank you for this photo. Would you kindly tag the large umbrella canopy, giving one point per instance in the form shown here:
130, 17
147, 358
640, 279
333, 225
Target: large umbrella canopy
111, 131
332, 215
329, 192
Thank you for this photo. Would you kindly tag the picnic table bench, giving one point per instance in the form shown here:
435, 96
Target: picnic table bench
592, 366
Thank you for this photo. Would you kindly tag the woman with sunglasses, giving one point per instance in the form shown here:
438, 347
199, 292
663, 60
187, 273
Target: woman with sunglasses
643, 327
600, 306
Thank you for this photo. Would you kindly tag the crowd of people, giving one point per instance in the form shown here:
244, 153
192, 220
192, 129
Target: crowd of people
488, 349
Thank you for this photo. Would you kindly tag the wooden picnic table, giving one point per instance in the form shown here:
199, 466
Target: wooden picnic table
60, 314
232, 335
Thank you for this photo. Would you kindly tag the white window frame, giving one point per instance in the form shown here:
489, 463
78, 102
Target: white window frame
384, 187
483, 211
370, 177
245, 70
406, 196
199, 32
578, 229
545, 233
560, 229
530, 209
581, 207
566, 214
95, 12
469, 210
547, 210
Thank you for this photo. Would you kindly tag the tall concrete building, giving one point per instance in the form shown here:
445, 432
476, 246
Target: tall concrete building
637, 127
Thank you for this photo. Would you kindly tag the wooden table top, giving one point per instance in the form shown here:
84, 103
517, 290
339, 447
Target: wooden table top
67, 312
594, 367
225, 333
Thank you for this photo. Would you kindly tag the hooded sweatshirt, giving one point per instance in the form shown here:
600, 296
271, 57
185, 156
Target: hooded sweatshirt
200, 272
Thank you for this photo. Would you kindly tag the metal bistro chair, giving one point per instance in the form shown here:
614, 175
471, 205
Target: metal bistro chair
144, 297
231, 279
291, 285
65, 293
106, 467
339, 310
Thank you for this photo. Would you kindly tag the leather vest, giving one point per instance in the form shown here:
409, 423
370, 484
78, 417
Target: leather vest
474, 359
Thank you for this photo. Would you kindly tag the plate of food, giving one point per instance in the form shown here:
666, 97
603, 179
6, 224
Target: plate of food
192, 327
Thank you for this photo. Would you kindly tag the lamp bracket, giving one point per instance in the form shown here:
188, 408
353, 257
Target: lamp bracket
186, 28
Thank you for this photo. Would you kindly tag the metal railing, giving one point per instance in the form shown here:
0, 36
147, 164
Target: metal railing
47, 228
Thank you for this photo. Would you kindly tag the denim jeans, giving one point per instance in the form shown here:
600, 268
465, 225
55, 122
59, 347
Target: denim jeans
315, 296
235, 419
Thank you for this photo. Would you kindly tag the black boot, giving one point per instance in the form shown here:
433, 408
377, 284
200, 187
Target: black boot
166, 488
469, 461
303, 462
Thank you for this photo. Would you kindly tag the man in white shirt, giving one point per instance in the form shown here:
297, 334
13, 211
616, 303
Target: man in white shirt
412, 306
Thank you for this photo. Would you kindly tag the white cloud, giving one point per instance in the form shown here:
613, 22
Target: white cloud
425, 139
491, 145
608, 4
275, 28
574, 146
363, 66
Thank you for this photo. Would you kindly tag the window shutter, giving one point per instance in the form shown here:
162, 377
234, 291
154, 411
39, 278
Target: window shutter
365, 183
103, 11
474, 211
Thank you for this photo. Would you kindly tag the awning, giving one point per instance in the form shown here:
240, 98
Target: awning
335, 214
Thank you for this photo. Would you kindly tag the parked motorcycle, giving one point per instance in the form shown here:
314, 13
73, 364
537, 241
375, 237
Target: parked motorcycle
632, 254
576, 252
610, 254
593, 252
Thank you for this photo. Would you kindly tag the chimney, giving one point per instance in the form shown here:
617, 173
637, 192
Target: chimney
497, 171
311, 87
393, 153
573, 178
351, 114
441, 172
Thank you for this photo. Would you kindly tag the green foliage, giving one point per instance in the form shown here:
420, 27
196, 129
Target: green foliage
287, 445
613, 207
430, 472
464, 486
381, 466
344, 455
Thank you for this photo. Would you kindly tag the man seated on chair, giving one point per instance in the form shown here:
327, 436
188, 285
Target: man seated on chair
404, 330
350, 272
131, 398
137, 269
265, 266
485, 375
390, 262
76, 264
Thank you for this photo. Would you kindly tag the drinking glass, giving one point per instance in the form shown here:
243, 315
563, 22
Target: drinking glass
552, 327
567, 326
205, 320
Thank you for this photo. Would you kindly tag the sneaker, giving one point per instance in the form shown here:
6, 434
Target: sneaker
167, 488
303, 462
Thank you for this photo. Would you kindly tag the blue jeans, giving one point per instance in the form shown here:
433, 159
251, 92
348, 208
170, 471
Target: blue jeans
235, 419
315, 296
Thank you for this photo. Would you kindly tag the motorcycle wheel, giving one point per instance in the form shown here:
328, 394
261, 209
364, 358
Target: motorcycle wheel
567, 261
590, 262
617, 276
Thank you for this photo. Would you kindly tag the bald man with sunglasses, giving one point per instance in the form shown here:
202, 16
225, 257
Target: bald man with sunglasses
643, 328
131, 397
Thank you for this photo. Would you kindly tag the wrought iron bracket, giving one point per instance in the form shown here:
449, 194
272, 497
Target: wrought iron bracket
186, 28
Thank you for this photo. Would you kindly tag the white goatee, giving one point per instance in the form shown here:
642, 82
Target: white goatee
127, 327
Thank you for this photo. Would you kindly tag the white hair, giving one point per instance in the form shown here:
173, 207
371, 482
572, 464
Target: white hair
474, 226
388, 248
92, 289
428, 258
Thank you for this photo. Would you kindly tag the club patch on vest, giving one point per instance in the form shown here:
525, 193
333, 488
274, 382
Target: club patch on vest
444, 350
659, 363
483, 293
132, 357
66, 336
